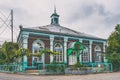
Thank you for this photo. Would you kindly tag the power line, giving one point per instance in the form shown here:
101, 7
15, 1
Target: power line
4, 21
3, 30
11, 13
2, 14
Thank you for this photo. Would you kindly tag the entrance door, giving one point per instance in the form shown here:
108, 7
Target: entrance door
98, 57
97, 54
72, 59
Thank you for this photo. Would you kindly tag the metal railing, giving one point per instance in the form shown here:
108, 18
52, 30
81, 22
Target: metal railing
11, 68
51, 69
102, 67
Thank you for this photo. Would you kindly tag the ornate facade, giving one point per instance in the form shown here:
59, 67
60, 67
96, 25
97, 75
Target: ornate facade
58, 38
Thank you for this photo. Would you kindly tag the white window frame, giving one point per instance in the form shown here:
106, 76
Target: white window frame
85, 55
58, 57
38, 59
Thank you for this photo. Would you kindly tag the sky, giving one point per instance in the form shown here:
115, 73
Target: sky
95, 17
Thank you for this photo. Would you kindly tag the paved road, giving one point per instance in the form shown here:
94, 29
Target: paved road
102, 76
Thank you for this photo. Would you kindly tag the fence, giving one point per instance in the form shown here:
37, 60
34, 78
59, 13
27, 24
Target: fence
51, 69
102, 67
11, 68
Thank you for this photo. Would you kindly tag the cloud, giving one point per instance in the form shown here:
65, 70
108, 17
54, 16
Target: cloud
96, 17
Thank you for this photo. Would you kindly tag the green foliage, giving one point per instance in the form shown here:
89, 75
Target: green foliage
78, 48
113, 48
78, 65
49, 52
114, 41
45, 51
10, 53
2, 57
115, 60
55, 68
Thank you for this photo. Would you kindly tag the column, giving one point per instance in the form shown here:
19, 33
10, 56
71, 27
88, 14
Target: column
104, 44
90, 47
51, 47
25, 46
65, 49
80, 58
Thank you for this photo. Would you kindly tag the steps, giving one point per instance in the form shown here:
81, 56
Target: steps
31, 71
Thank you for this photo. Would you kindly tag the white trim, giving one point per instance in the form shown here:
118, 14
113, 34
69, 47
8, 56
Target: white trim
65, 49
43, 45
51, 47
80, 58
59, 57
45, 34
90, 49
25, 46
86, 56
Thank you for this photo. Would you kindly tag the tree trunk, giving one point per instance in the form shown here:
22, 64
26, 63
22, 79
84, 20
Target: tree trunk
77, 59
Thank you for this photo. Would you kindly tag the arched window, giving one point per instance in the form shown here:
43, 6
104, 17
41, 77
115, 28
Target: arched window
85, 55
97, 53
97, 48
36, 47
58, 47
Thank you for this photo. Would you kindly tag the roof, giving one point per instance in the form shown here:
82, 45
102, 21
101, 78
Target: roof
62, 30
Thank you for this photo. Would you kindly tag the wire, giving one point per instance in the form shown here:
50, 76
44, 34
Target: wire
3, 30
3, 14
4, 21
7, 24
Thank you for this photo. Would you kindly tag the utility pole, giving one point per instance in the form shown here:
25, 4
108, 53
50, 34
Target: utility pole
12, 25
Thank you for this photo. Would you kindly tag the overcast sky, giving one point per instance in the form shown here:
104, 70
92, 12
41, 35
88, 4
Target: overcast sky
95, 17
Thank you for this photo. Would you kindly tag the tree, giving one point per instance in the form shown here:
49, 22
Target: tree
2, 56
113, 48
10, 53
114, 41
78, 48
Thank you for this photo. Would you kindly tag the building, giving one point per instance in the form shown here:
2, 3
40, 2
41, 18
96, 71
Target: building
58, 38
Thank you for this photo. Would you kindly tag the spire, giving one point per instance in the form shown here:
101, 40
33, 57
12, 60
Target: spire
55, 17
54, 9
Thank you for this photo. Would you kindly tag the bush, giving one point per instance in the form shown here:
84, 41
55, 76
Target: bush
55, 67
115, 60
79, 66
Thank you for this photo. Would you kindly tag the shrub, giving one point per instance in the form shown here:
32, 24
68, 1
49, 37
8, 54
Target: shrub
115, 60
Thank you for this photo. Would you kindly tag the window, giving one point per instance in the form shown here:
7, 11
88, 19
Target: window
58, 48
36, 47
85, 55
97, 53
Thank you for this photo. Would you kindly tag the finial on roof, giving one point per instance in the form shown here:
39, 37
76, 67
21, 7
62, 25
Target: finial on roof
54, 9
20, 26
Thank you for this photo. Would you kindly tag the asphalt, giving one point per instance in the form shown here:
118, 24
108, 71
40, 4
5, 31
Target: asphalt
100, 76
